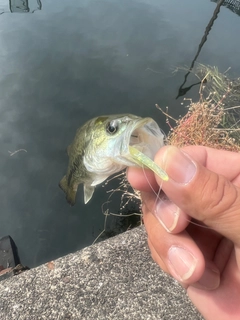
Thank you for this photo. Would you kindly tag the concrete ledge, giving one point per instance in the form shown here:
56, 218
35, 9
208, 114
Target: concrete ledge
115, 279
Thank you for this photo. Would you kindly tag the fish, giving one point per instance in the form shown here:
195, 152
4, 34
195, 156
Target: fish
106, 145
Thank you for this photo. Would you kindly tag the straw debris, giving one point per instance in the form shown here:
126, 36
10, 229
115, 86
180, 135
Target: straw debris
213, 121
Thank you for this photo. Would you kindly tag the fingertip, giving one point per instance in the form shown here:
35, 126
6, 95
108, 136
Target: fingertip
181, 256
142, 179
171, 217
210, 279
161, 152
178, 165
185, 264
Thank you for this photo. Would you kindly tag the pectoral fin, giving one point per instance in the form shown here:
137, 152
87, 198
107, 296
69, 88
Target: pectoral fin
72, 190
88, 192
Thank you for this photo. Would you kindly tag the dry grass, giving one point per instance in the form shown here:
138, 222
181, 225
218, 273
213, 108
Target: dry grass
213, 120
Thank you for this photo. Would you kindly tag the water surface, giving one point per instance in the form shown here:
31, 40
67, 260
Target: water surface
64, 62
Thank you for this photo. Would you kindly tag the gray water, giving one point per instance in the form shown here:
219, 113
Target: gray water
64, 62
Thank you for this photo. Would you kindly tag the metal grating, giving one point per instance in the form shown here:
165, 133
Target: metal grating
233, 5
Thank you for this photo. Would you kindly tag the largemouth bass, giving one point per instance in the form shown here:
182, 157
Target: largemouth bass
106, 145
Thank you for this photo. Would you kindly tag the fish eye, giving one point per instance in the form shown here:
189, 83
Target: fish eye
112, 127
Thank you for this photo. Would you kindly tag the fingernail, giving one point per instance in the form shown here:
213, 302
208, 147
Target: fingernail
179, 165
210, 280
182, 262
167, 214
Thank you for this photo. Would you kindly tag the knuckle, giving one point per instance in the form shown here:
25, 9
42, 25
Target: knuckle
218, 195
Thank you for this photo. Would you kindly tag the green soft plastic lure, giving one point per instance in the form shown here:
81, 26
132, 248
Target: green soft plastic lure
142, 159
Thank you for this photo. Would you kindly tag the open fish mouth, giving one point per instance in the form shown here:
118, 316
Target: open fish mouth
146, 136
144, 140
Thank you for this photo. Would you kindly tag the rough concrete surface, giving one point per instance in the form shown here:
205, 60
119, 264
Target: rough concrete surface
115, 279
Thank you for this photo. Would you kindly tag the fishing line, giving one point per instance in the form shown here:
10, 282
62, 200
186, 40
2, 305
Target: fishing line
158, 197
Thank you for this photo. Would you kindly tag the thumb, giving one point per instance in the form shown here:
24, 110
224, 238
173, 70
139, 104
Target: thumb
201, 193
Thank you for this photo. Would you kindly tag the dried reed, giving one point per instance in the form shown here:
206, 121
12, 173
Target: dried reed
213, 120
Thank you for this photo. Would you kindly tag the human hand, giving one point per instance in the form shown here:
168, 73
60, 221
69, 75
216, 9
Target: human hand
204, 256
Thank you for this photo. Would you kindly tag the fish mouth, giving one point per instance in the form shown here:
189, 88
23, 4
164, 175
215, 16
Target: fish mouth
145, 136
145, 140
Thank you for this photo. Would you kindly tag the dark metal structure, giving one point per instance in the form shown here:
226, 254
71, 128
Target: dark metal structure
233, 5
